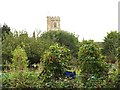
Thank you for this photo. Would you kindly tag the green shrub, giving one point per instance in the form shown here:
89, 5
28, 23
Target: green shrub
92, 63
21, 80
110, 44
63, 83
54, 61
35, 48
19, 60
113, 80
118, 59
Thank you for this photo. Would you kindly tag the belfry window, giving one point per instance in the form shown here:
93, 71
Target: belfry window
55, 25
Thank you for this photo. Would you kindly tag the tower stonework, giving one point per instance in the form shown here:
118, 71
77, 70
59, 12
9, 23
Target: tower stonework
53, 23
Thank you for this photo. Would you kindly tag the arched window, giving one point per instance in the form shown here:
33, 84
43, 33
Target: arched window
55, 24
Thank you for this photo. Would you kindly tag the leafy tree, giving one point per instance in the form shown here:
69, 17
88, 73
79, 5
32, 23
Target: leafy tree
92, 63
110, 44
118, 67
8, 45
55, 61
63, 38
118, 59
5, 30
113, 80
33, 47
19, 60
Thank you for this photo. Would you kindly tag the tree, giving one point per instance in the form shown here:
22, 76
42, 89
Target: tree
19, 60
55, 61
92, 62
8, 45
5, 30
11, 41
118, 59
64, 38
114, 74
110, 44
33, 47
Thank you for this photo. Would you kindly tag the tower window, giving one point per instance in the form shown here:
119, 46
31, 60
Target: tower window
55, 25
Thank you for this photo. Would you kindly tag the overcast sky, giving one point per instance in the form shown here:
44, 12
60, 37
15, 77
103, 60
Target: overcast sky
90, 19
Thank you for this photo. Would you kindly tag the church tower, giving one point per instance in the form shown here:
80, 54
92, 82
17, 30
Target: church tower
53, 23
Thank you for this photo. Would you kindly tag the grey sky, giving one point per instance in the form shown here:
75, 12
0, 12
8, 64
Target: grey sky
90, 19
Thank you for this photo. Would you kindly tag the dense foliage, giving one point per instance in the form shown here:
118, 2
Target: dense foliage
118, 59
54, 61
54, 53
5, 29
110, 44
64, 38
92, 63
33, 47
23, 79
19, 60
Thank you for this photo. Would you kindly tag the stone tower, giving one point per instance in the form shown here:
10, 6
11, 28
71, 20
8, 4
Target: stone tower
53, 23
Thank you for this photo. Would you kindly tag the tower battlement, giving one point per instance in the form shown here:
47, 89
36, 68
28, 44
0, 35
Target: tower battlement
54, 18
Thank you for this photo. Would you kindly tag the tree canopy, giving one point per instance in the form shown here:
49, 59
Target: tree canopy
64, 38
5, 30
110, 44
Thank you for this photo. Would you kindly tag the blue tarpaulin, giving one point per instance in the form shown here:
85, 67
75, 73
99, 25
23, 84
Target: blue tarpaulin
70, 74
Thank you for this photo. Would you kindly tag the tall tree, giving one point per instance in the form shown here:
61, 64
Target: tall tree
110, 44
5, 30
92, 63
64, 38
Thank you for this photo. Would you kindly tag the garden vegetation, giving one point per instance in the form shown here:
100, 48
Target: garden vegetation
41, 62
